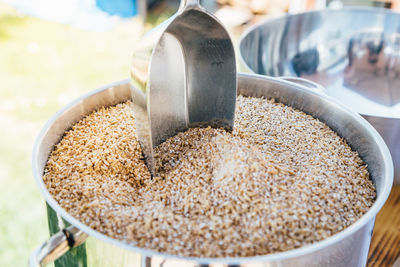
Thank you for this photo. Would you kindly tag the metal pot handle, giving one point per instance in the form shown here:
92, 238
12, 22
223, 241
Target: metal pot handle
56, 246
306, 83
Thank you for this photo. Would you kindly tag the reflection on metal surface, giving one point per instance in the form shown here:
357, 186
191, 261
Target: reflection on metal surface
305, 62
353, 52
185, 69
373, 68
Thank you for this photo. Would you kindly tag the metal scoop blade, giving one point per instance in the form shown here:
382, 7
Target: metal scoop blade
183, 75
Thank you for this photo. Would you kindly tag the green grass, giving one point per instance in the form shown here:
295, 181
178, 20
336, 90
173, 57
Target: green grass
43, 66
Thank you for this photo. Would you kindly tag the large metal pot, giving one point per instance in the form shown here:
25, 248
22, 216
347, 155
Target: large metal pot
353, 52
91, 248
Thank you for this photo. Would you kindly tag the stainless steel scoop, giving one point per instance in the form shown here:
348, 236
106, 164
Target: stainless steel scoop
186, 72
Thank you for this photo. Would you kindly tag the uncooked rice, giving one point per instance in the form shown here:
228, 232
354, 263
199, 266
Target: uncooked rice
279, 181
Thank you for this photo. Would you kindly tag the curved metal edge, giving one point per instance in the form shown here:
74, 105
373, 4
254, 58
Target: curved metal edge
369, 216
34, 259
57, 246
315, 87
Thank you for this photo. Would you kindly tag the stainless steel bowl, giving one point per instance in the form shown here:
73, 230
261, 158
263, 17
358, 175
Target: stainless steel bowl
91, 248
353, 52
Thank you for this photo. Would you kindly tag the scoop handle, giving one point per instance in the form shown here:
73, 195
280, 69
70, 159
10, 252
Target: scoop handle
189, 4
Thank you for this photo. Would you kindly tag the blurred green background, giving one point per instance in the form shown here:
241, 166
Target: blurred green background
43, 66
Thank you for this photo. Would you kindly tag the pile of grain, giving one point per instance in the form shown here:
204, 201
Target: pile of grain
280, 181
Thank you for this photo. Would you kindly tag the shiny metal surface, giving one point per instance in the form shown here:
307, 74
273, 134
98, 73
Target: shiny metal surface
353, 52
347, 248
397, 263
307, 83
57, 246
185, 71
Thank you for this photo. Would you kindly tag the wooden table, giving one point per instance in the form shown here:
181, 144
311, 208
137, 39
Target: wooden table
385, 245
